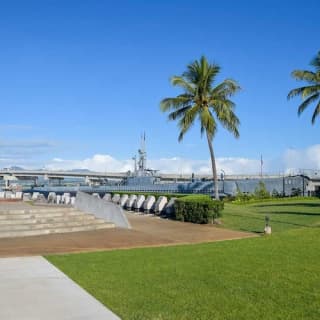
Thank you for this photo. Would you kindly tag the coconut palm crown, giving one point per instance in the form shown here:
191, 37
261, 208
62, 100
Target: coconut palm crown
203, 101
310, 93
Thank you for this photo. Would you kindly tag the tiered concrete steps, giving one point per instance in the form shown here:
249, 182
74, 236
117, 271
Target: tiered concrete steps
41, 221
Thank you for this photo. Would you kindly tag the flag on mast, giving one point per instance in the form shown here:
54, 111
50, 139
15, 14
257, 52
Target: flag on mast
261, 165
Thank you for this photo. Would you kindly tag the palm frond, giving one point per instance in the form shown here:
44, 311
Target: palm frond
225, 114
193, 72
304, 92
209, 72
304, 75
183, 83
309, 93
307, 102
208, 123
226, 88
187, 120
202, 130
316, 113
175, 103
315, 62
201, 73
178, 113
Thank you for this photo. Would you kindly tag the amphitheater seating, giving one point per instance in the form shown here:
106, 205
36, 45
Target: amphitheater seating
43, 221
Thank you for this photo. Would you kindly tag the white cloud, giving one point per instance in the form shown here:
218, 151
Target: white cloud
239, 165
106, 163
98, 162
187, 166
290, 161
308, 158
178, 165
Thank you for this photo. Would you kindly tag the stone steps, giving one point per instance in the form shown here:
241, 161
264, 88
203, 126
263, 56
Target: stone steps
42, 221
24, 233
37, 226
17, 216
79, 217
37, 210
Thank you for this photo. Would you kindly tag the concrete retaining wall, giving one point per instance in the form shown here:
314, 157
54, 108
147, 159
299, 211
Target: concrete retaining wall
101, 209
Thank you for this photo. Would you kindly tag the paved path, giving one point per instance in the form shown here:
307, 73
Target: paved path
33, 289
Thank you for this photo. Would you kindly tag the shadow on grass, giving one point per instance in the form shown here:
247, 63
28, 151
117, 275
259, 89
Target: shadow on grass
261, 219
292, 213
304, 204
259, 232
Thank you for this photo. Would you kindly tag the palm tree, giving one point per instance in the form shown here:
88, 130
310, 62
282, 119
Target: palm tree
205, 102
311, 92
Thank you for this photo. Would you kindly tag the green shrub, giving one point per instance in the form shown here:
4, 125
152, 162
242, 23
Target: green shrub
261, 191
197, 209
242, 197
275, 194
229, 198
296, 192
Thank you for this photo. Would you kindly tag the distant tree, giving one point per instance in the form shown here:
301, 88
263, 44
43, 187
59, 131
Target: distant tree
275, 193
261, 191
205, 102
309, 93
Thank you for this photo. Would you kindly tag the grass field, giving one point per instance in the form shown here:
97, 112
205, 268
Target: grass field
276, 277
284, 214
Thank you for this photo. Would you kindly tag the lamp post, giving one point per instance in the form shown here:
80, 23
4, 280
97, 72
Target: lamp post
135, 164
222, 176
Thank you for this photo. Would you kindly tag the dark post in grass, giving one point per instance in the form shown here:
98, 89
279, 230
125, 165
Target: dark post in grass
222, 176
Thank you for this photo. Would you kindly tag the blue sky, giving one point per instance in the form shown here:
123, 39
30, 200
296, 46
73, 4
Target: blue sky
84, 78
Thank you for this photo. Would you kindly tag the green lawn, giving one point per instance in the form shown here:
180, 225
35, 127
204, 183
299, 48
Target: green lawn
274, 277
284, 214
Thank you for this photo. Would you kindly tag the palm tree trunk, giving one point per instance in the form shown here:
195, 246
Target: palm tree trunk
214, 169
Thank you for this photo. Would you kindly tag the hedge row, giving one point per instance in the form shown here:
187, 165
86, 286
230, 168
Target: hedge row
197, 209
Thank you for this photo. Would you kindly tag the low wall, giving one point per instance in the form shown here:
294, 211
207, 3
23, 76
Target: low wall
101, 209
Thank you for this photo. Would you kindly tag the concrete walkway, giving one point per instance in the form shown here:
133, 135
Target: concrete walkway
33, 289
